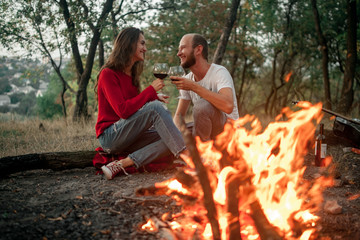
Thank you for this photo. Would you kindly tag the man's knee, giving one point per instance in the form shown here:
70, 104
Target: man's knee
203, 107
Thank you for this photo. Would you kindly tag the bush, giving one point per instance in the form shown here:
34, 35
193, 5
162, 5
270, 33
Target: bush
47, 108
4, 109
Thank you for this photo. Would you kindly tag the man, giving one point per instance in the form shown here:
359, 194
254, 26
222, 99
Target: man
208, 86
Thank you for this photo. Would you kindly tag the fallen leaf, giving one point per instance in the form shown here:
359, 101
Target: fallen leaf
55, 219
105, 231
87, 223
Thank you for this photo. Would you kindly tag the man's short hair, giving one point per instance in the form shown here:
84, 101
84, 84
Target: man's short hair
200, 40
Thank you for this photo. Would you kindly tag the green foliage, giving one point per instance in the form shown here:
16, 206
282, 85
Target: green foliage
263, 27
16, 97
48, 106
4, 86
4, 109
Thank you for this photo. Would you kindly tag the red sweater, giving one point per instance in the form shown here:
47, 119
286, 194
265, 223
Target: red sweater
118, 98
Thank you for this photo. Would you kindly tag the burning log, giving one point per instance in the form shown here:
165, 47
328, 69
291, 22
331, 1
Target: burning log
234, 183
264, 228
259, 192
204, 181
151, 191
154, 224
160, 191
232, 193
185, 179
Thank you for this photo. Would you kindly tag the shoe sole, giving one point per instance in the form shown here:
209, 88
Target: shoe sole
107, 172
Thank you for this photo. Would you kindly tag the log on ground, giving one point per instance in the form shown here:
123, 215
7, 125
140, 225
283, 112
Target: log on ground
53, 160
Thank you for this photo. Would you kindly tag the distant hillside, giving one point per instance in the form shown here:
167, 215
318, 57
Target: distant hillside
22, 73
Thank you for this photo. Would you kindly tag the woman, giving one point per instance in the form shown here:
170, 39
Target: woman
130, 121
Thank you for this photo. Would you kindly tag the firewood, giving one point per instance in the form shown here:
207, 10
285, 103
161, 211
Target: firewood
151, 191
264, 228
159, 191
232, 196
162, 228
185, 179
167, 234
209, 203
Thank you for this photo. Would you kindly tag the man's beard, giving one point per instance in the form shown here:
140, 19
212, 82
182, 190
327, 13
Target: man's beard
190, 61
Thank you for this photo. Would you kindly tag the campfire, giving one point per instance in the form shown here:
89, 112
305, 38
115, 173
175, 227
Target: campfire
248, 183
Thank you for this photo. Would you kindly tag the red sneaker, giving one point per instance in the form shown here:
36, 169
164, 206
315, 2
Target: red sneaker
112, 169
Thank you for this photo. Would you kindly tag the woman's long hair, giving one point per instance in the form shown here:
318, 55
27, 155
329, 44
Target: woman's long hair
124, 49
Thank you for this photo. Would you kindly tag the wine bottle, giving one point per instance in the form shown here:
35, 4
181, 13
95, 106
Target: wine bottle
320, 147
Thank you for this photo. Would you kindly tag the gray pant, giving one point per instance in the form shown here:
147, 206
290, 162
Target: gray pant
208, 120
148, 134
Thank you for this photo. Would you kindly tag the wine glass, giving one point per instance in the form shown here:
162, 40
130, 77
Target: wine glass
161, 70
176, 71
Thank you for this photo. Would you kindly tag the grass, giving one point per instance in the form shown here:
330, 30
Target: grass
20, 136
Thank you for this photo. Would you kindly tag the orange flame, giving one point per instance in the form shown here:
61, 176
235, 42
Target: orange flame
272, 162
149, 226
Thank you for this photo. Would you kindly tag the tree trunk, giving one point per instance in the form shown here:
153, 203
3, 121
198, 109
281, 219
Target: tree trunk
325, 56
54, 160
221, 47
235, 58
84, 75
288, 64
63, 101
72, 37
65, 85
239, 95
101, 53
273, 93
347, 92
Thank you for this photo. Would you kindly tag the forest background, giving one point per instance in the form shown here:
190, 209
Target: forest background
276, 51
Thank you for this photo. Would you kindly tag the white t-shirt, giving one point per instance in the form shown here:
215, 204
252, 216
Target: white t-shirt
216, 78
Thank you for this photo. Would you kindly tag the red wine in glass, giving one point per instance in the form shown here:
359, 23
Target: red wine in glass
160, 75
161, 70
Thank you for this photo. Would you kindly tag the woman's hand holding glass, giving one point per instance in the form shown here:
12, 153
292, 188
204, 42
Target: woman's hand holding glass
158, 84
160, 71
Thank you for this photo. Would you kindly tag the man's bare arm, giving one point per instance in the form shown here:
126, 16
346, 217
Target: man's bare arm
181, 110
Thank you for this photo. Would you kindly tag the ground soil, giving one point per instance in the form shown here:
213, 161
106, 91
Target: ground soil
79, 204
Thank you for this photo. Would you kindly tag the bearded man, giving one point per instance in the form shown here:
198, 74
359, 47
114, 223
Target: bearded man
208, 86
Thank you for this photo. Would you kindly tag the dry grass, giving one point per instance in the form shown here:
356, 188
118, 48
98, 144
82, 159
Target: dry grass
23, 136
